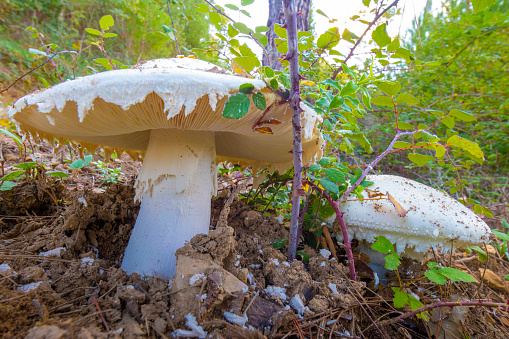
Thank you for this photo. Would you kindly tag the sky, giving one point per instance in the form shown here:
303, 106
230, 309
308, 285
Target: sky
341, 10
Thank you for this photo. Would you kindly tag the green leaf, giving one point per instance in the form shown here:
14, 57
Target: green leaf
328, 40
16, 139
236, 106
274, 84
80, 163
380, 36
420, 159
382, 101
242, 28
433, 276
392, 261
404, 98
13, 175
456, 275
329, 185
215, 18
349, 89
335, 175
448, 121
500, 235
401, 144
246, 88
389, 87
279, 244
305, 257
57, 174
109, 35
260, 101
261, 29
483, 257
400, 298
479, 5
246, 2
506, 277
505, 223
26, 165
319, 11
383, 245
201, 8
232, 7
247, 62
463, 116
37, 52
314, 168
93, 31
262, 38
469, 146
106, 22
7, 185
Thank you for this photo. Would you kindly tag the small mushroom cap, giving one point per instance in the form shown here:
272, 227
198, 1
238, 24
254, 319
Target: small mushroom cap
117, 109
433, 218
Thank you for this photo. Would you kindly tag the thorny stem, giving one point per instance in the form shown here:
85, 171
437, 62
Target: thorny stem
339, 217
293, 58
173, 25
48, 50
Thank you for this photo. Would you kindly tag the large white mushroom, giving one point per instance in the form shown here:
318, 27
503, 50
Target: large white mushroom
170, 111
432, 218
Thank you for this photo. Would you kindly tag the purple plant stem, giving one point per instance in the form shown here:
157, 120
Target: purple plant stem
293, 58
346, 241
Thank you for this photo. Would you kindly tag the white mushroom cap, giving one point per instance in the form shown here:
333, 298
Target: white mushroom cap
433, 218
117, 109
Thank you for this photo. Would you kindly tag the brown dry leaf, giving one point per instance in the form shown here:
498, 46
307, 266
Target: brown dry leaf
372, 193
266, 130
401, 211
494, 280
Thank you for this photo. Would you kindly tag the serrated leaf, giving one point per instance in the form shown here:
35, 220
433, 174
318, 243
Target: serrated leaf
236, 106
469, 146
279, 244
382, 101
392, 261
106, 22
420, 159
274, 84
383, 245
248, 63
400, 298
215, 18
329, 185
463, 116
260, 101
389, 87
314, 168
380, 36
57, 174
448, 121
405, 98
335, 175
433, 276
93, 31
456, 275
246, 88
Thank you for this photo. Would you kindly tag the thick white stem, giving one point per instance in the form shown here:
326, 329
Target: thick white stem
175, 186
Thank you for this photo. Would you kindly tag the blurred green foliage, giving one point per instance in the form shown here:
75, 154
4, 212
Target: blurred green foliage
138, 23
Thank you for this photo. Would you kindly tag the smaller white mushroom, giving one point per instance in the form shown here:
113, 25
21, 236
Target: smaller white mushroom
433, 218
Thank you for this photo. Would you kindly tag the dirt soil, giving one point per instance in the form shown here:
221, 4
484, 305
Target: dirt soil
62, 242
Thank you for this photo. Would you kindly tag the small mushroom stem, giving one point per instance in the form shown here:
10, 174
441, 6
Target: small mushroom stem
175, 187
